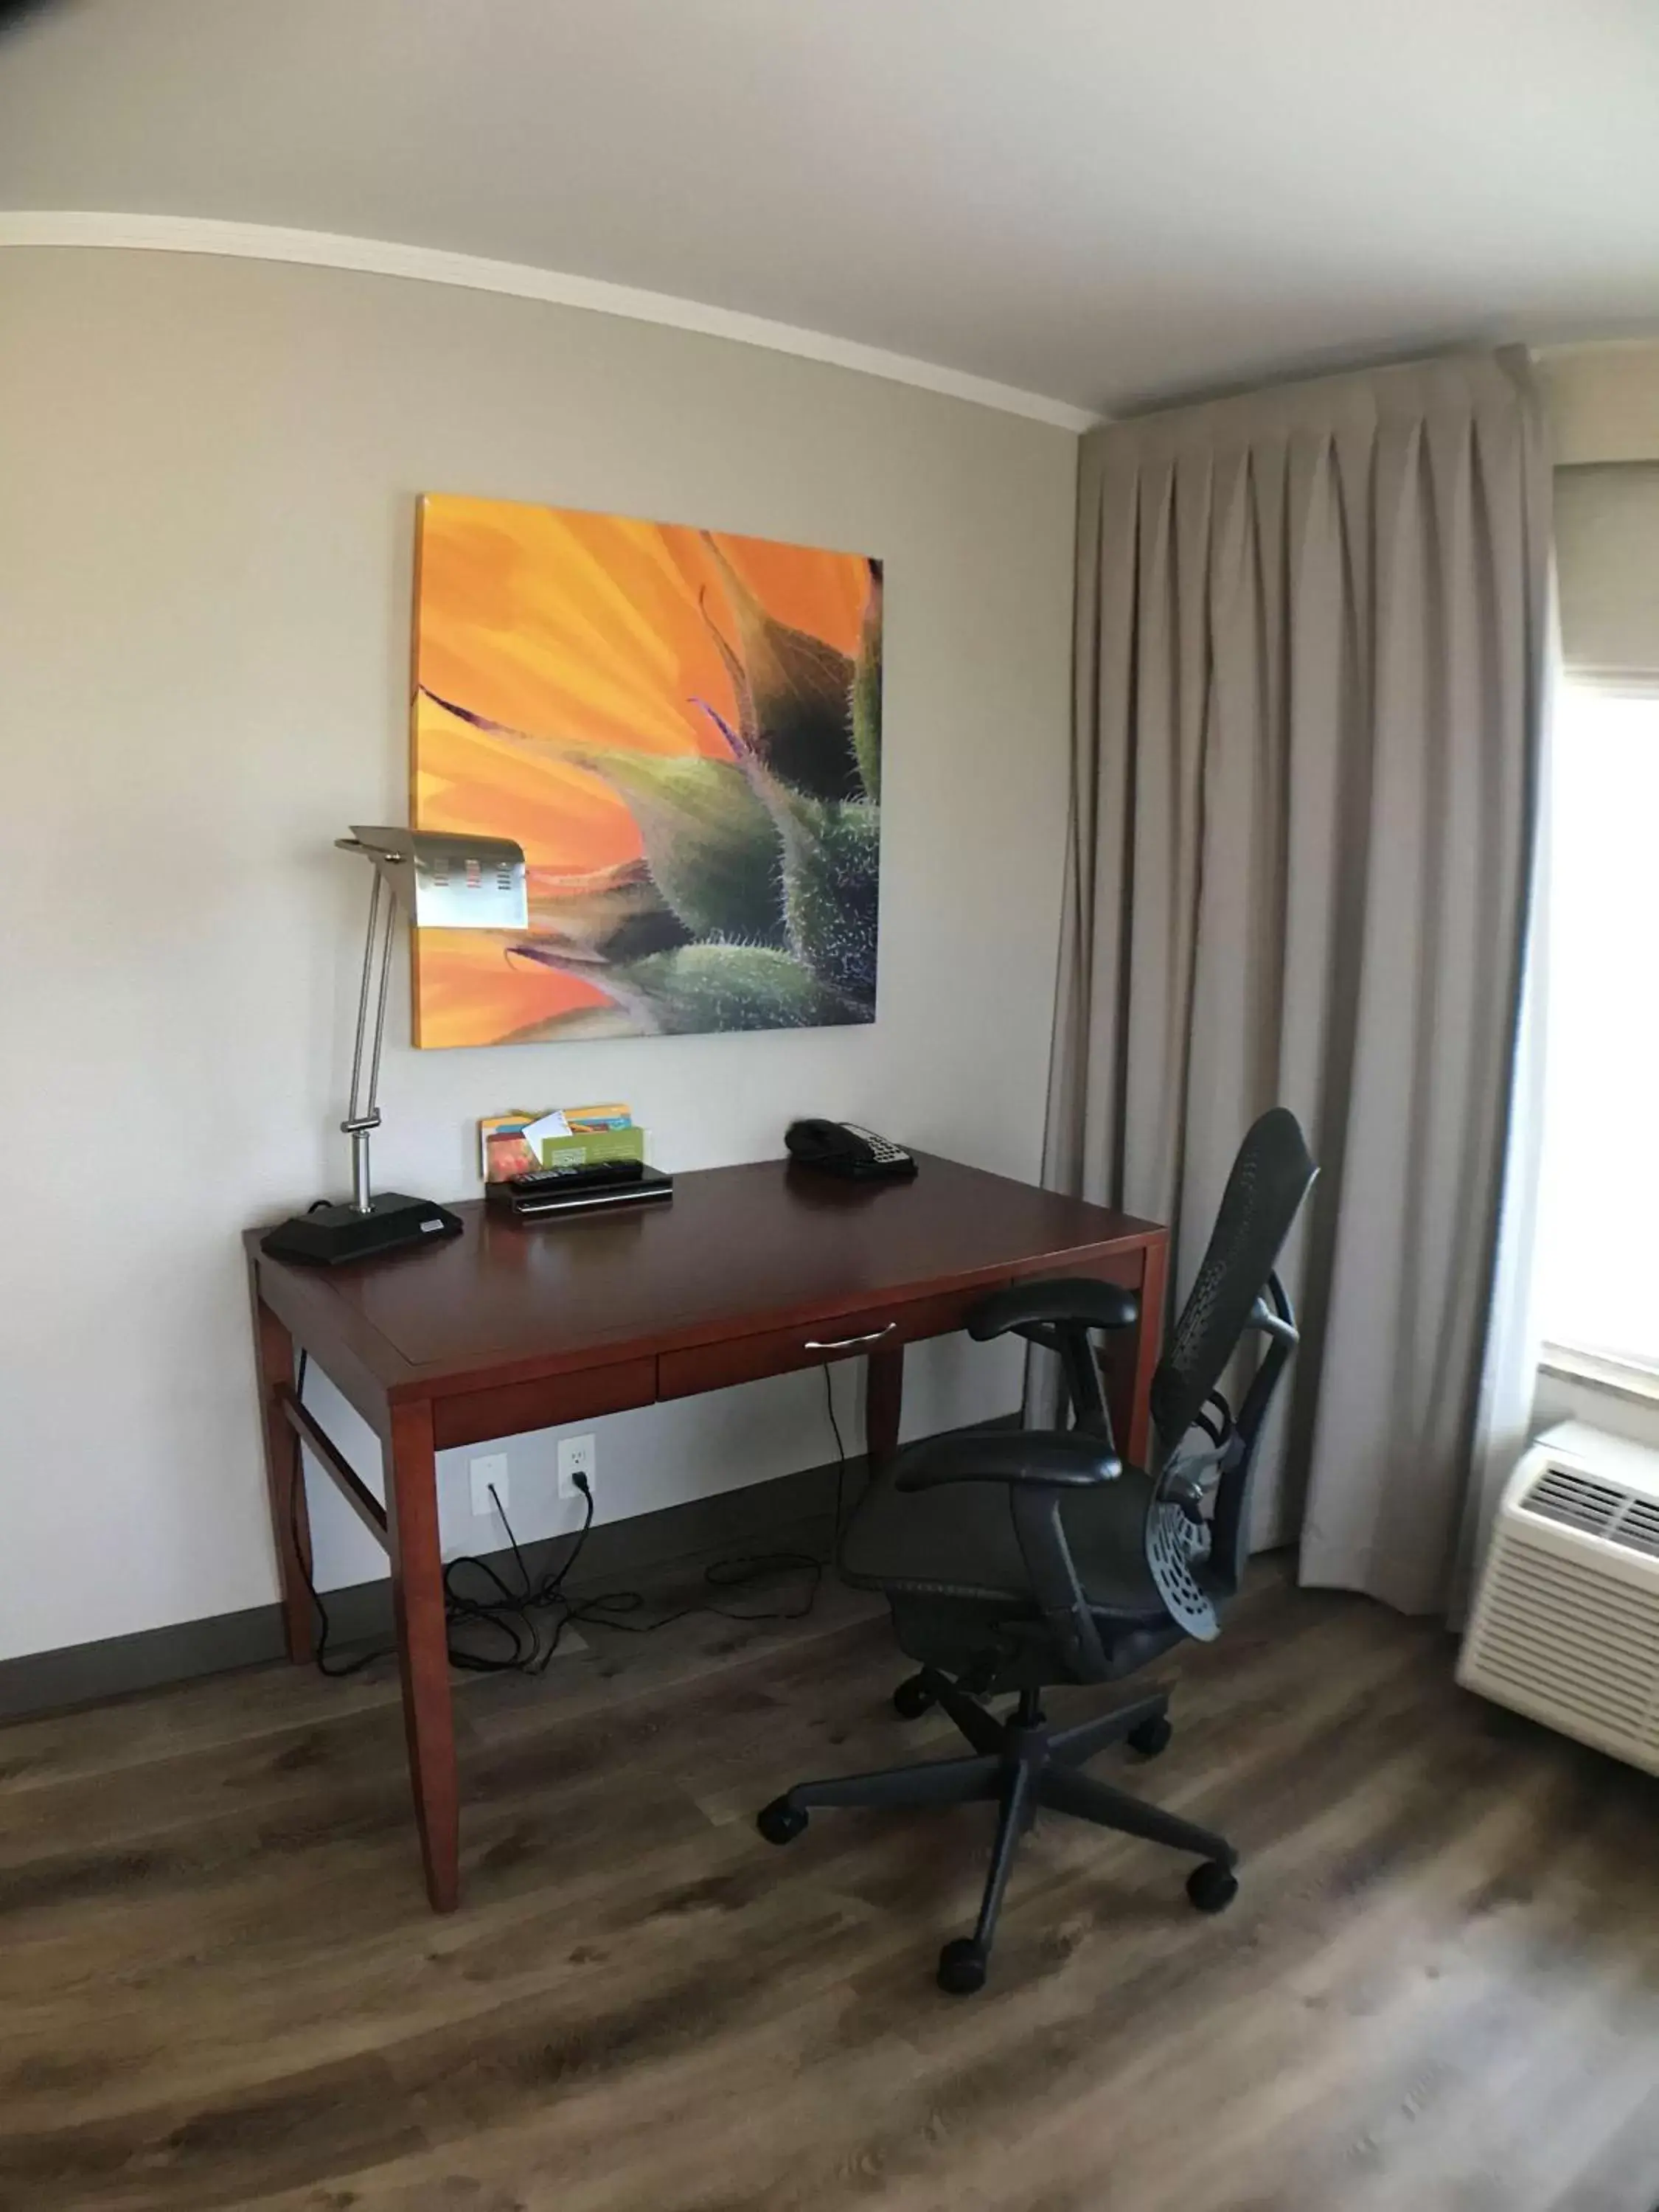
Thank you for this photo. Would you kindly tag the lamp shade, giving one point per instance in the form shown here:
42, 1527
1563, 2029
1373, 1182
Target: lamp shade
447, 881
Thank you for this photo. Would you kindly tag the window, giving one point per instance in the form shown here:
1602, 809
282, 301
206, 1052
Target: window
1598, 1250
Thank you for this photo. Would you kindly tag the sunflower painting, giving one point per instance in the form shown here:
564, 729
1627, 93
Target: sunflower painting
683, 730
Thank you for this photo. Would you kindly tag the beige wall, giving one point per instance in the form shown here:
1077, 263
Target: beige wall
1602, 400
208, 471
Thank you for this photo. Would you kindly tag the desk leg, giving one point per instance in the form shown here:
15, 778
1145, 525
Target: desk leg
1131, 1384
418, 1596
291, 1523
884, 1401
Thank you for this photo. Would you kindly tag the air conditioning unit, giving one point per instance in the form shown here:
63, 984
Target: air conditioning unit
1566, 1619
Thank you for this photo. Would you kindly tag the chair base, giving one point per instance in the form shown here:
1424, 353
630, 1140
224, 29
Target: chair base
1020, 1765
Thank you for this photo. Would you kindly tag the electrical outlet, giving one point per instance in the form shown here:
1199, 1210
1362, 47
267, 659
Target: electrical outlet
577, 1455
488, 1472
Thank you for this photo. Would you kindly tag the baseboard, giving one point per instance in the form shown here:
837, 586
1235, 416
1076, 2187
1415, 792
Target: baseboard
790, 1511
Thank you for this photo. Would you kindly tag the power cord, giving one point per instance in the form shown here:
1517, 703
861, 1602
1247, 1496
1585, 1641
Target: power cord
525, 1646
738, 1572
509, 1613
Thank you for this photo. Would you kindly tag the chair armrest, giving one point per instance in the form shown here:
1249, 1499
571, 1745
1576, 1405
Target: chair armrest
1067, 1297
1037, 1459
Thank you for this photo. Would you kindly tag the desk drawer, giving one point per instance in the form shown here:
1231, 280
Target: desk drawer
512, 1409
780, 1351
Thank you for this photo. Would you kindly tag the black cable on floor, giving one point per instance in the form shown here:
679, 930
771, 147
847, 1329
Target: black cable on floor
525, 1646
738, 1572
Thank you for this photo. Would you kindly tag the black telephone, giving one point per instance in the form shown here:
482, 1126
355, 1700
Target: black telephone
841, 1148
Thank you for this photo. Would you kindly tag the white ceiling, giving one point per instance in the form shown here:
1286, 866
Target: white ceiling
1103, 201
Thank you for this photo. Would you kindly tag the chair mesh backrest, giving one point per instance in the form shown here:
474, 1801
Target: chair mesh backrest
1269, 1180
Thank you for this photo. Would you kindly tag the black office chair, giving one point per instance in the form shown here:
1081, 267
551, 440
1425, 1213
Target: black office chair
1014, 1559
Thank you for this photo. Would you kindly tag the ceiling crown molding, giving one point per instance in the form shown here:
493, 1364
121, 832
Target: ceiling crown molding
375, 257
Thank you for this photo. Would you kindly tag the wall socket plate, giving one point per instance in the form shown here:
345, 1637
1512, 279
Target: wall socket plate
490, 1468
577, 1455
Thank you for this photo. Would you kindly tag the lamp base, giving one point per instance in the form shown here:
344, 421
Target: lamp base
335, 1234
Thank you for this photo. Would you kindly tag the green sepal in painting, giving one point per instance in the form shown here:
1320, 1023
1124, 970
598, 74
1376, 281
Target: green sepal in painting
801, 693
606, 914
710, 844
866, 690
831, 877
831, 863
725, 986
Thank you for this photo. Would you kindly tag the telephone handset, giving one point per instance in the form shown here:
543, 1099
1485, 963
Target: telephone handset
841, 1148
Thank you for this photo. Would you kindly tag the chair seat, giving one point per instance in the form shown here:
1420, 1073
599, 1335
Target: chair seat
958, 1541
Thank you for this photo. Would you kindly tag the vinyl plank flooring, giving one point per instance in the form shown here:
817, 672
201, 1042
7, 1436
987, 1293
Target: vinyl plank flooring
220, 1988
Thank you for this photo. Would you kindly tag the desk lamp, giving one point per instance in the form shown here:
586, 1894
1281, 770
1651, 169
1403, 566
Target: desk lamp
446, 883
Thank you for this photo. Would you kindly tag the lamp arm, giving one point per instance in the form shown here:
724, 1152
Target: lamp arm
363, 1112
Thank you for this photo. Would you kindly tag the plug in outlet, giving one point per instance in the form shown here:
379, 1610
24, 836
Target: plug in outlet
490, 1470
577, 1455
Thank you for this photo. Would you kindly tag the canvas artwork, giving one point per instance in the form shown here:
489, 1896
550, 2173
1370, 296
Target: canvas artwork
683, 729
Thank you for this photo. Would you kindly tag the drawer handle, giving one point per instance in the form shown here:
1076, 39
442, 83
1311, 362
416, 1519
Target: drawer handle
850, 1343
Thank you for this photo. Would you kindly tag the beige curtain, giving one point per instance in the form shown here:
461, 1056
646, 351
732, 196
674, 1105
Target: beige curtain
1309, 646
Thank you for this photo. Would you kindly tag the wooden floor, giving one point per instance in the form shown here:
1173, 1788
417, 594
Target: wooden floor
218, 1984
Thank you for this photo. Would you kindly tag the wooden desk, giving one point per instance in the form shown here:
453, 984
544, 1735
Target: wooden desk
751, 1271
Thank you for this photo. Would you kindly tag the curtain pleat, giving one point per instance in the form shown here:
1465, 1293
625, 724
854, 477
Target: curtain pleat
1310, 628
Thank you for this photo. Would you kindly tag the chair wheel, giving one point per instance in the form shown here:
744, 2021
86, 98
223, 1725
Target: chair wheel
1152, 1736
961, 1967
1212, 1887
780, 1822
913, 1697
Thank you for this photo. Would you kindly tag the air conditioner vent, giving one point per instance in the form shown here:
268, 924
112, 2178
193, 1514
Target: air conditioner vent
1637, 1528
1572, 1500
1549, 1630
1561, 1494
